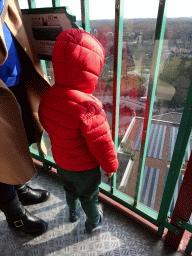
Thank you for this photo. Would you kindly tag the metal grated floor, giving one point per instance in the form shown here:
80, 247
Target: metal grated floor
119, 236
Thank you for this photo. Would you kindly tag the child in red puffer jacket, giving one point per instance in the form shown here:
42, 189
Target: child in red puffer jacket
76, 123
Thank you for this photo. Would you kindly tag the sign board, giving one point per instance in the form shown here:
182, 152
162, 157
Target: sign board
44, 25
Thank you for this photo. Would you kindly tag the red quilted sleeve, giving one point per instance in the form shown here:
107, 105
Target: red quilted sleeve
96, 131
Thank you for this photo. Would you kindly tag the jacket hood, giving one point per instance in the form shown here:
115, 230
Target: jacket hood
78, 58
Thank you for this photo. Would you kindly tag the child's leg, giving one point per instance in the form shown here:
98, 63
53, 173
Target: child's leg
71, 194
87, 187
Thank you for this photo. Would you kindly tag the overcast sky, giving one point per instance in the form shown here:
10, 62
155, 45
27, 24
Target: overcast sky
104, 9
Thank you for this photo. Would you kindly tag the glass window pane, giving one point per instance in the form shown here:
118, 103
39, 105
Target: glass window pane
138, 42
173, 81
172, 88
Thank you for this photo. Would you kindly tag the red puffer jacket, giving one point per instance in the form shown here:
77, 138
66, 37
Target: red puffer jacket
74, 119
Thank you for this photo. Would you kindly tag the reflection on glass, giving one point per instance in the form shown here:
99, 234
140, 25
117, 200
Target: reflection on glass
138, 42
103, 30
172, 88
175, 70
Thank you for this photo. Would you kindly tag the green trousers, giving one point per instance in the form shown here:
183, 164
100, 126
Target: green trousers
82, 186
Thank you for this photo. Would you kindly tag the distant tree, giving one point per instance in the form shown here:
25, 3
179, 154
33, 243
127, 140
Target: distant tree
171, 70
178, 72
186, 67
176, 67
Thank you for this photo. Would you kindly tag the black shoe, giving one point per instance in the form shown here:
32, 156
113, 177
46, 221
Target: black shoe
29, 196
20, 219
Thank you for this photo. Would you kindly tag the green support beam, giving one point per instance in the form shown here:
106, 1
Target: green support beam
56, 3
119, 11
85, 15
156, 58
183, 224
172, 228
32, 4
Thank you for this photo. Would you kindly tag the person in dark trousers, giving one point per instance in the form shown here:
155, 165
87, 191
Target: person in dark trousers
77, 125
22, 80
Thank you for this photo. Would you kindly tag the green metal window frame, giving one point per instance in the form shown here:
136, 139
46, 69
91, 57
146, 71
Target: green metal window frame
157, 218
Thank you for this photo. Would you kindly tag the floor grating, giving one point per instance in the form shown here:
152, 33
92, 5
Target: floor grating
119, 236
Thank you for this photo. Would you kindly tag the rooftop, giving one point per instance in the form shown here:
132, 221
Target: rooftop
162, 138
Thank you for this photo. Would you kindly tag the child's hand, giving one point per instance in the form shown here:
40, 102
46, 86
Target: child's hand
109, 175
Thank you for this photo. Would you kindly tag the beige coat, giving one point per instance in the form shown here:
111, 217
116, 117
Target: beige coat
16, 165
